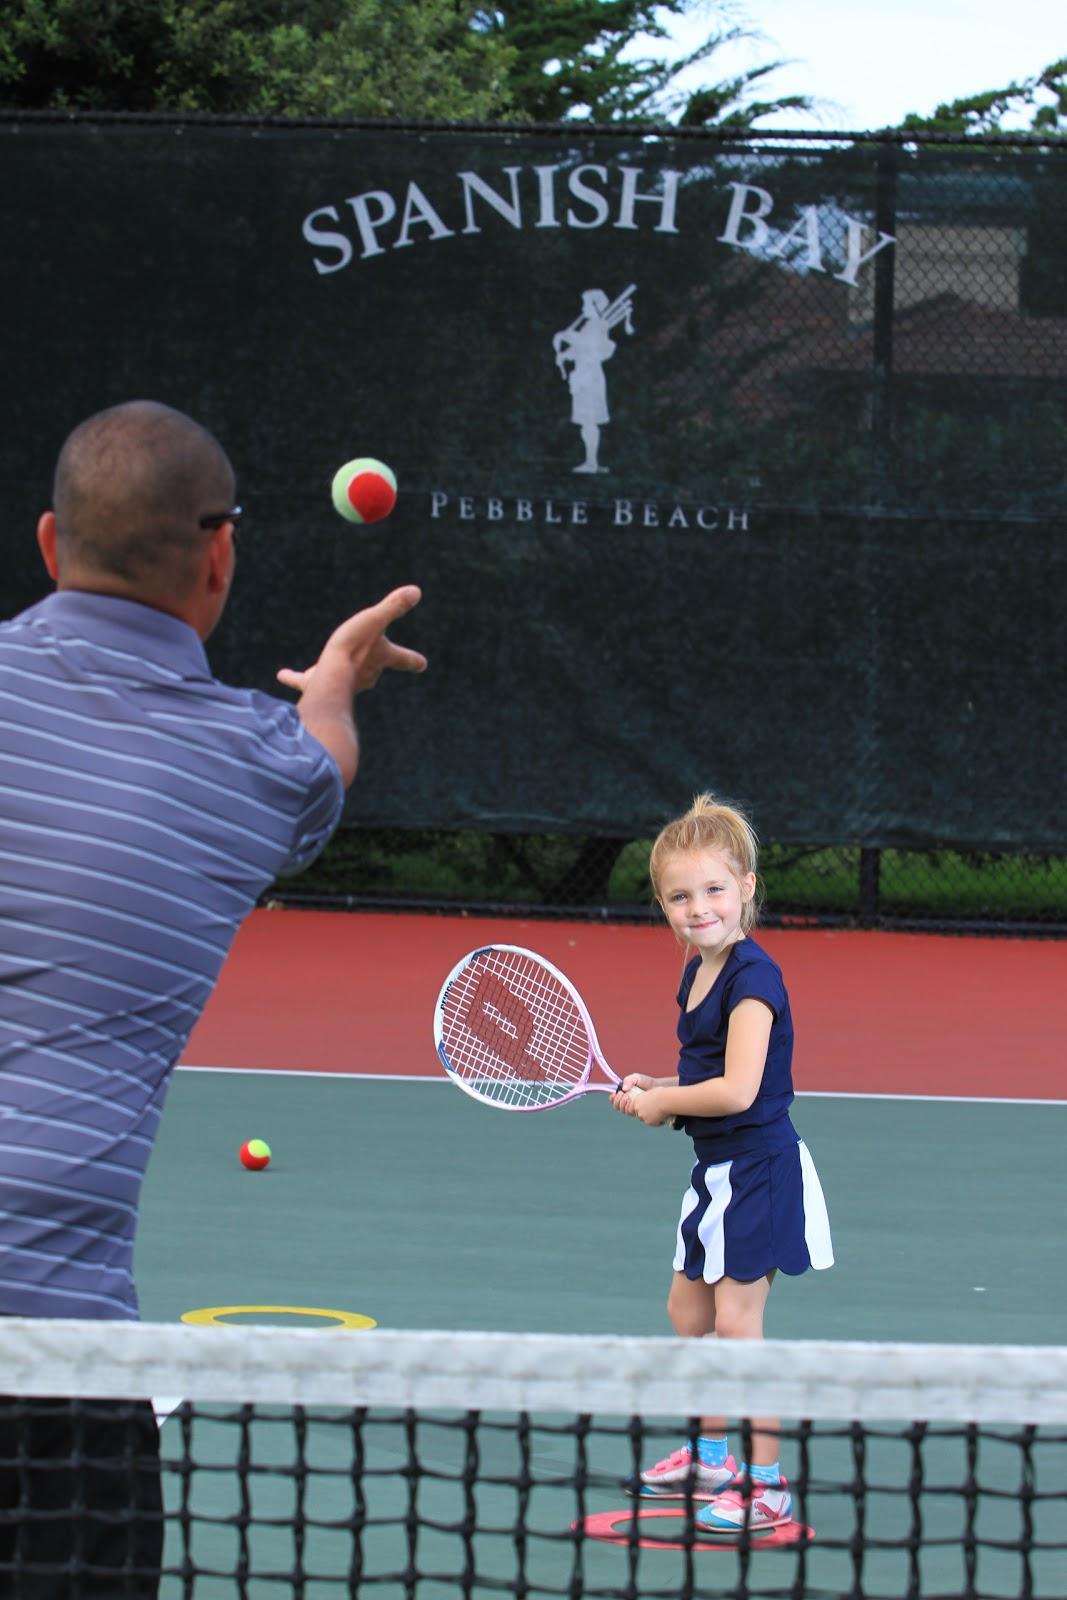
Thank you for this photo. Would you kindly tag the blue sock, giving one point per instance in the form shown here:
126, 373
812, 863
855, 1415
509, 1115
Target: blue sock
712, 1452
771, 1476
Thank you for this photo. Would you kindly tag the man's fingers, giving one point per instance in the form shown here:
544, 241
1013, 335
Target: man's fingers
360, 644
401, 659
400, 601
376, 618
372, 621
291, 678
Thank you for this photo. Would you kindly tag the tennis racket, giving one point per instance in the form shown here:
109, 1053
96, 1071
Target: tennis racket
513, 1032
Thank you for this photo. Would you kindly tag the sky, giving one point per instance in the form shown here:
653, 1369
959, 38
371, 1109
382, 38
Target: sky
870, 62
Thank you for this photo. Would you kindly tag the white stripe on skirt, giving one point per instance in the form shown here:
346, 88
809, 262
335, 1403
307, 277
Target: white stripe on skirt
816, 1222
710, 1232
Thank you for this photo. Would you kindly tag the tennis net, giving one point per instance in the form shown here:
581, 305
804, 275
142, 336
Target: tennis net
322, 1462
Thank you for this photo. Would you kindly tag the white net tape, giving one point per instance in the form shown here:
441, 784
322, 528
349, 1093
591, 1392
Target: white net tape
621, 1376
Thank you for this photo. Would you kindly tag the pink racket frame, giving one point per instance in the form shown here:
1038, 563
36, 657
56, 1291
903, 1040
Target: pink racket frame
516, 1034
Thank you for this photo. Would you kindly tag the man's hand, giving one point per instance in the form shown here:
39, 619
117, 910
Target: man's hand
360, 651
352, 660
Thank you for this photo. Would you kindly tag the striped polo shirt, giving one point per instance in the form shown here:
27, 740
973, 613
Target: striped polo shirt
143, 808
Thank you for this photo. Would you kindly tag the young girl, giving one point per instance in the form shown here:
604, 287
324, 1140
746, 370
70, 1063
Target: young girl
754, 1203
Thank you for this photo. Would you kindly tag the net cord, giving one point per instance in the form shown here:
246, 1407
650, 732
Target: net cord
578, 1373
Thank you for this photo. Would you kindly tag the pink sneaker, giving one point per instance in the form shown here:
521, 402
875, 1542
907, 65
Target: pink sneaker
729, 1512
680, 1474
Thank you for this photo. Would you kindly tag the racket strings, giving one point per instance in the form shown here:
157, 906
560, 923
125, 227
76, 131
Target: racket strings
513, 1031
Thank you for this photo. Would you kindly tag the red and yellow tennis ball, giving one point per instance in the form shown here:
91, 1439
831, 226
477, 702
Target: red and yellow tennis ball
254, 1154
364, 490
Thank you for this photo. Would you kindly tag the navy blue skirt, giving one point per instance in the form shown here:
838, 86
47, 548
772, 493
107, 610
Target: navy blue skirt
744, 1217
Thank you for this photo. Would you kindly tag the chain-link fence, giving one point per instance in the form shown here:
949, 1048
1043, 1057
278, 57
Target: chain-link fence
592, 876
730, 463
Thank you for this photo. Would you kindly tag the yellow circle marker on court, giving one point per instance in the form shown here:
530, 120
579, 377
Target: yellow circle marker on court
209, 1315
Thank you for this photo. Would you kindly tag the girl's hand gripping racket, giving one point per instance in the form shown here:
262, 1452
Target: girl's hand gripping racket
513, 1032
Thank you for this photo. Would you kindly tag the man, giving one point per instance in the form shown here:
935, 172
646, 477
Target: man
144, 806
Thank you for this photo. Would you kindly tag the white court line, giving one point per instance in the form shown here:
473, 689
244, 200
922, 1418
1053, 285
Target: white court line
945, 1099
300, 1072
802, 1094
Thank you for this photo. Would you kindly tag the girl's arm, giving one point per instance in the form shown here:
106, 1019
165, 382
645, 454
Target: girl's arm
747, 1039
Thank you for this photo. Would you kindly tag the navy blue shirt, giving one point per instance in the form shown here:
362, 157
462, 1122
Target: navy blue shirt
748, 973
144, 807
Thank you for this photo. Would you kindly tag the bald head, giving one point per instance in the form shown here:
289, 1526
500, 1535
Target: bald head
130, 488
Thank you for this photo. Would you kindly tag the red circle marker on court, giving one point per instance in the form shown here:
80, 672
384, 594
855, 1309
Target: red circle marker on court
601, 1525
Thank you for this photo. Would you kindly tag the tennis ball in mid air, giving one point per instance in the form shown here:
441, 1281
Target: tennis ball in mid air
255, 1155
364, 490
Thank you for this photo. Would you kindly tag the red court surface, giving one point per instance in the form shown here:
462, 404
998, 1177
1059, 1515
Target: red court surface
875, 1013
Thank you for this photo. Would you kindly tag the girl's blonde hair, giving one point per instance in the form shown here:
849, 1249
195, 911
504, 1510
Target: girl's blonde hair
709, 825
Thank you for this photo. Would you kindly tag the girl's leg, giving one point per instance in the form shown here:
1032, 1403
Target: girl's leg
691, 1306
738, 1314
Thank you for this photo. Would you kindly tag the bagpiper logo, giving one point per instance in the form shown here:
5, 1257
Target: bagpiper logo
581, 351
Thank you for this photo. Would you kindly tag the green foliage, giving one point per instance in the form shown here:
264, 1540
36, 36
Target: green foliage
443, 60
353, 58
1041, 99
574, 61
468, 869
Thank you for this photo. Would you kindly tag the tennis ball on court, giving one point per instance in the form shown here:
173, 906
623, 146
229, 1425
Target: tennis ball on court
364, 490
255, 1155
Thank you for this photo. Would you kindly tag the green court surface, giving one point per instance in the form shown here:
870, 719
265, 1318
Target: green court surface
409, 1203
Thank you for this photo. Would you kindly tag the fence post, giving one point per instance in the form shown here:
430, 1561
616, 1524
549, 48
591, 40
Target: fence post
870, 881
882, 420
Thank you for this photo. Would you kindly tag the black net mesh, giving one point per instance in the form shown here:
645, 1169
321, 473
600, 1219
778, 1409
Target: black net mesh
286, 1499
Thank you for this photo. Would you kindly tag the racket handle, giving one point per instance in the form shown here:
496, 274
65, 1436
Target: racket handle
671, 1122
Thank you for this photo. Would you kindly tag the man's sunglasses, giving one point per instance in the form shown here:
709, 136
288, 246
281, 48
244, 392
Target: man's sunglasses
218, 518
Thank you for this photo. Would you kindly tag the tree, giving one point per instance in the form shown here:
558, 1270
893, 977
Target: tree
351, 58
1042, 99
448, 60
575, 60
